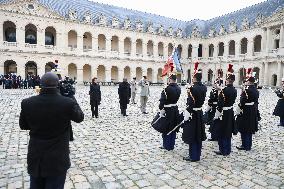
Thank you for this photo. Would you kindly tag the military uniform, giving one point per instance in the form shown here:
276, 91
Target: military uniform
194, 128
248, 120
212, 104
169, 97
279, 109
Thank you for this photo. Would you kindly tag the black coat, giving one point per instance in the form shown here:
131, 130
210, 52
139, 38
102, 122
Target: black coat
95, 93
212, 102
279, 109
170, 95
124, 93
226, 127
248, 120
194, 130
48, 118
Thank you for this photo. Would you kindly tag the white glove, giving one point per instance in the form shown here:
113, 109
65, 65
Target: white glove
238, 111
218, 115
187, 115
208, 108
162, 113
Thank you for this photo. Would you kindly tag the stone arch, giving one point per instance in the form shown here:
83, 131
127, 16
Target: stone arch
10, 66
31, 34
221, 49
87, 41
150, 74
127, 73
257, 43
48, 67
274, 80
72, 71
138, 73
200, 50
101, 42
139, 47
244, 45
161, 49
210, 76
232, 47
150, 48
127, 46
114, 74
9, 29
211, 50
87, 73
72, 39
114, 43
170, 49
31, 68
50, 36
101, 73
276, 42
189, 51
159, 75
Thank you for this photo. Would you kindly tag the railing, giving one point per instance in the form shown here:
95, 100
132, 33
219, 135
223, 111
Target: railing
33, 46
231, 56
10, 44
257, 53
49, 47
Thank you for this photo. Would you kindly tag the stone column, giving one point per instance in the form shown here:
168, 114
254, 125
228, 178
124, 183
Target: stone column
155, 50
237, 74
144, 71
282, 36
121, 46
204, 74
120, 74
215, 52
108, 74
226, 49
261, 75
79, 43
132, 73
95, 44
1, 35
61, 41
266, 73
268, 39
237, 48
41, 70
1, 69
133, 48
263, 40
94, 71
144, 49
80, 77
194, 52
20, 36
40, 38
108, 44
250, 48
155, 75
165, 51
279, 73
21, 70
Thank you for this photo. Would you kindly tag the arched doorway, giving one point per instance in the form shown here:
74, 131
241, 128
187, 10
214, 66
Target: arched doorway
210, 76
170, 49
101, 73
87, 41
9, 31
31, 34
72, 39
161, 49
102, 42
244, 46
139, 48
221, 49
138, 73
50, 36
150, 74
274, 80
257, 43
189, 51
232, 47
200, 50
10, 66
257, 71
49, 66
72, 71
31, 68
127, 73
159, 78
114, 43
127, 46
150, 48
87, 74
211, 50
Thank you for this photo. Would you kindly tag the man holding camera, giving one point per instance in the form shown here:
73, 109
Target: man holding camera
48, 117
144, 94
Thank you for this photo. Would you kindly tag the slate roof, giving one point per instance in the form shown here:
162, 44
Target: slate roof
62, 7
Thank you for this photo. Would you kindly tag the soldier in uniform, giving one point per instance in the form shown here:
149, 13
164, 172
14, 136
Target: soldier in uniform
247, 110
224, 117
124, 93
193, 127
133, 86
95, 97
279, 109
168, 103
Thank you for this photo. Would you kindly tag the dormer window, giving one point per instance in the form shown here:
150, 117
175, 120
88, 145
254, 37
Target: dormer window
31, 6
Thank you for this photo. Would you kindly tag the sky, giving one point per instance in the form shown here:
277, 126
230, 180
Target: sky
184, 9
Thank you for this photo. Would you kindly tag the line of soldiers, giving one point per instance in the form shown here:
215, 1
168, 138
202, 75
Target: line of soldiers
223, 121
13, 81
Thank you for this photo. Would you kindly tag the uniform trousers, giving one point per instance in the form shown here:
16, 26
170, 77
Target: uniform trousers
195, 151
225, 145
133, 96
169, 141
246, 141
143, 101
56, 182
94, 109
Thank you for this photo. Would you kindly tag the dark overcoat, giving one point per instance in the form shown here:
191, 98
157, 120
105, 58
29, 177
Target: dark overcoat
95, 94
279, 109
48, 118
194, 129
124, 93
248, 122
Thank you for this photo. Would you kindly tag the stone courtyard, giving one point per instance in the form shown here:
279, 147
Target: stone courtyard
114, 152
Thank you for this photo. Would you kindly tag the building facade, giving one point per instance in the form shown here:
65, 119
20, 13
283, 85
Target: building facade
90, 39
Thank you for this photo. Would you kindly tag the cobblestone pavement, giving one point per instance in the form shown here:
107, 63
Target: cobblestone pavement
116, 152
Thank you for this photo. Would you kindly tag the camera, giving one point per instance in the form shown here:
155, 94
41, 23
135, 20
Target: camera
67, 87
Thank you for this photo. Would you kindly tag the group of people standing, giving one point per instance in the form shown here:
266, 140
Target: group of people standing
223, 120
126, 91
13, 81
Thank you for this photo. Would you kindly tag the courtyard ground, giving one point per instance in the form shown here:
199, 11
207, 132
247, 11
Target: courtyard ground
116, 152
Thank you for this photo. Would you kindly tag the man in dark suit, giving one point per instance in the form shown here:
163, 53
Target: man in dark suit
48, 118
95, 97
124, 93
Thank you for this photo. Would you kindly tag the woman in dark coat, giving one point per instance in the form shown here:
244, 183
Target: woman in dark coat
279, 109
95, 97
124, 93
